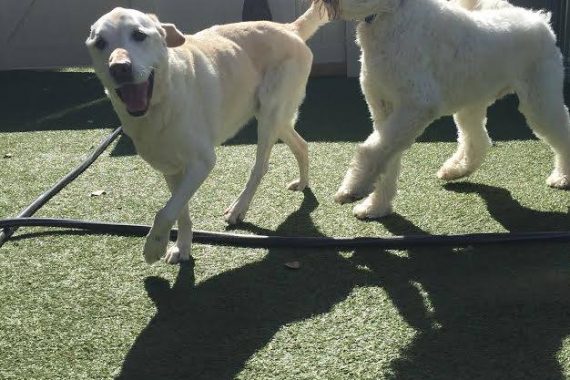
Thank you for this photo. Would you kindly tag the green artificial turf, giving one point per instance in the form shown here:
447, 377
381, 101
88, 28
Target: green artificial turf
81, 306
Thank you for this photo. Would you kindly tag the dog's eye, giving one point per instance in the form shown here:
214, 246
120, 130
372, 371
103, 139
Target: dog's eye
100, 43
139, 36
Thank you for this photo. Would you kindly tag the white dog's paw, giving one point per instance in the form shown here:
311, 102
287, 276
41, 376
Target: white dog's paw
235, 213
345, 195
558, 180
453, 170
297, 185
369, 210
176, 254
155, 247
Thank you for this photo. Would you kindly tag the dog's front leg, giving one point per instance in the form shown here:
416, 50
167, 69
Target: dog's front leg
379, 202
190, 180
372, 158
181, 250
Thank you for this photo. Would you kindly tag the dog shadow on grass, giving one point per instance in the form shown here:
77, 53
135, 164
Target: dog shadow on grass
210, 330
493, 312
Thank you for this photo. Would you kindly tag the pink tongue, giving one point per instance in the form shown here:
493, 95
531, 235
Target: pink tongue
135, 96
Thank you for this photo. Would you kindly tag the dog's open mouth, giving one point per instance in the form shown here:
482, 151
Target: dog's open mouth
136, 96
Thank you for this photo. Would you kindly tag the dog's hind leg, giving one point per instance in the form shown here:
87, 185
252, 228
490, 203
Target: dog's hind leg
300, 149
474, 143
266, 138
280, 94
542, 103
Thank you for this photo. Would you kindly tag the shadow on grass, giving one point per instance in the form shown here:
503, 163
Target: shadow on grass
209, 330
493, 313
49, 100
346, 119
334, 110
498, 312
510, 213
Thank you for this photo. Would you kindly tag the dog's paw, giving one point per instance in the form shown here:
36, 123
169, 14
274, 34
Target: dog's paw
297, 185
344, 195
558, 180
369, 210
235, 213
176, 254
451, 171
155, 247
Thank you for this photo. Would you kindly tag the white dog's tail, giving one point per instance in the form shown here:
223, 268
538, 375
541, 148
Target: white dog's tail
306, 25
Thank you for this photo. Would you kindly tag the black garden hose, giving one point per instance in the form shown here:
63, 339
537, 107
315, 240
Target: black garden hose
258, 241
9, 226
49, 194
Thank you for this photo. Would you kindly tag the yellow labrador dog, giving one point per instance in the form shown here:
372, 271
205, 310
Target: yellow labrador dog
178, 96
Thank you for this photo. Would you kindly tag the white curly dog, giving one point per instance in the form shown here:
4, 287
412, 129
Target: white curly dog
180, 96
425, 59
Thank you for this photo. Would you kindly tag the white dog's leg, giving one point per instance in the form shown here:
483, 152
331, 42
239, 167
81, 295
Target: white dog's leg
379, 203
300, 149
379, 109
474, 143
181, 250
280, 95
543, 106
265, 141
194, 175
395, 135
356, 183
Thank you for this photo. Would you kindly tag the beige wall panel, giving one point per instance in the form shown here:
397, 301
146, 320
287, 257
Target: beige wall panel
41, 33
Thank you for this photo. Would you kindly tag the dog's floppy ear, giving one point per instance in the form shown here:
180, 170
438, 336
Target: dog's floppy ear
170, 32
174, 37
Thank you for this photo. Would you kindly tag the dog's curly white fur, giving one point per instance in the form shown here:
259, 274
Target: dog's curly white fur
425, 59
482, 4
180, 96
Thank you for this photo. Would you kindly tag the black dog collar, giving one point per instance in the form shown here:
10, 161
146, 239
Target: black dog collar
370, 19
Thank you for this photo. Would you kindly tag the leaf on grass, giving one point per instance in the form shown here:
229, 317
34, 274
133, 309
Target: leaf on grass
98, 193
293, 265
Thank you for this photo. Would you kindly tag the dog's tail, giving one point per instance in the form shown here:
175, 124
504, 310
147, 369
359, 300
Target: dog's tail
306, 25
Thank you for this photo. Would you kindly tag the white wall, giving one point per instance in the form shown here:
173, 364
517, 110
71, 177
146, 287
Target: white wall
328, 44
35, 34
51, 33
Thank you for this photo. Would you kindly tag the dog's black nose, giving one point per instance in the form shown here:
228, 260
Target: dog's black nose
121, 72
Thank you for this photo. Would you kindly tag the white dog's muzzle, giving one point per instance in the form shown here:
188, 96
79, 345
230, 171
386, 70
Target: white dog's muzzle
135, 95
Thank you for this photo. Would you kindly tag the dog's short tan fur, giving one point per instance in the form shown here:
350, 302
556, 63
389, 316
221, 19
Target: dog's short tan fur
188, 94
